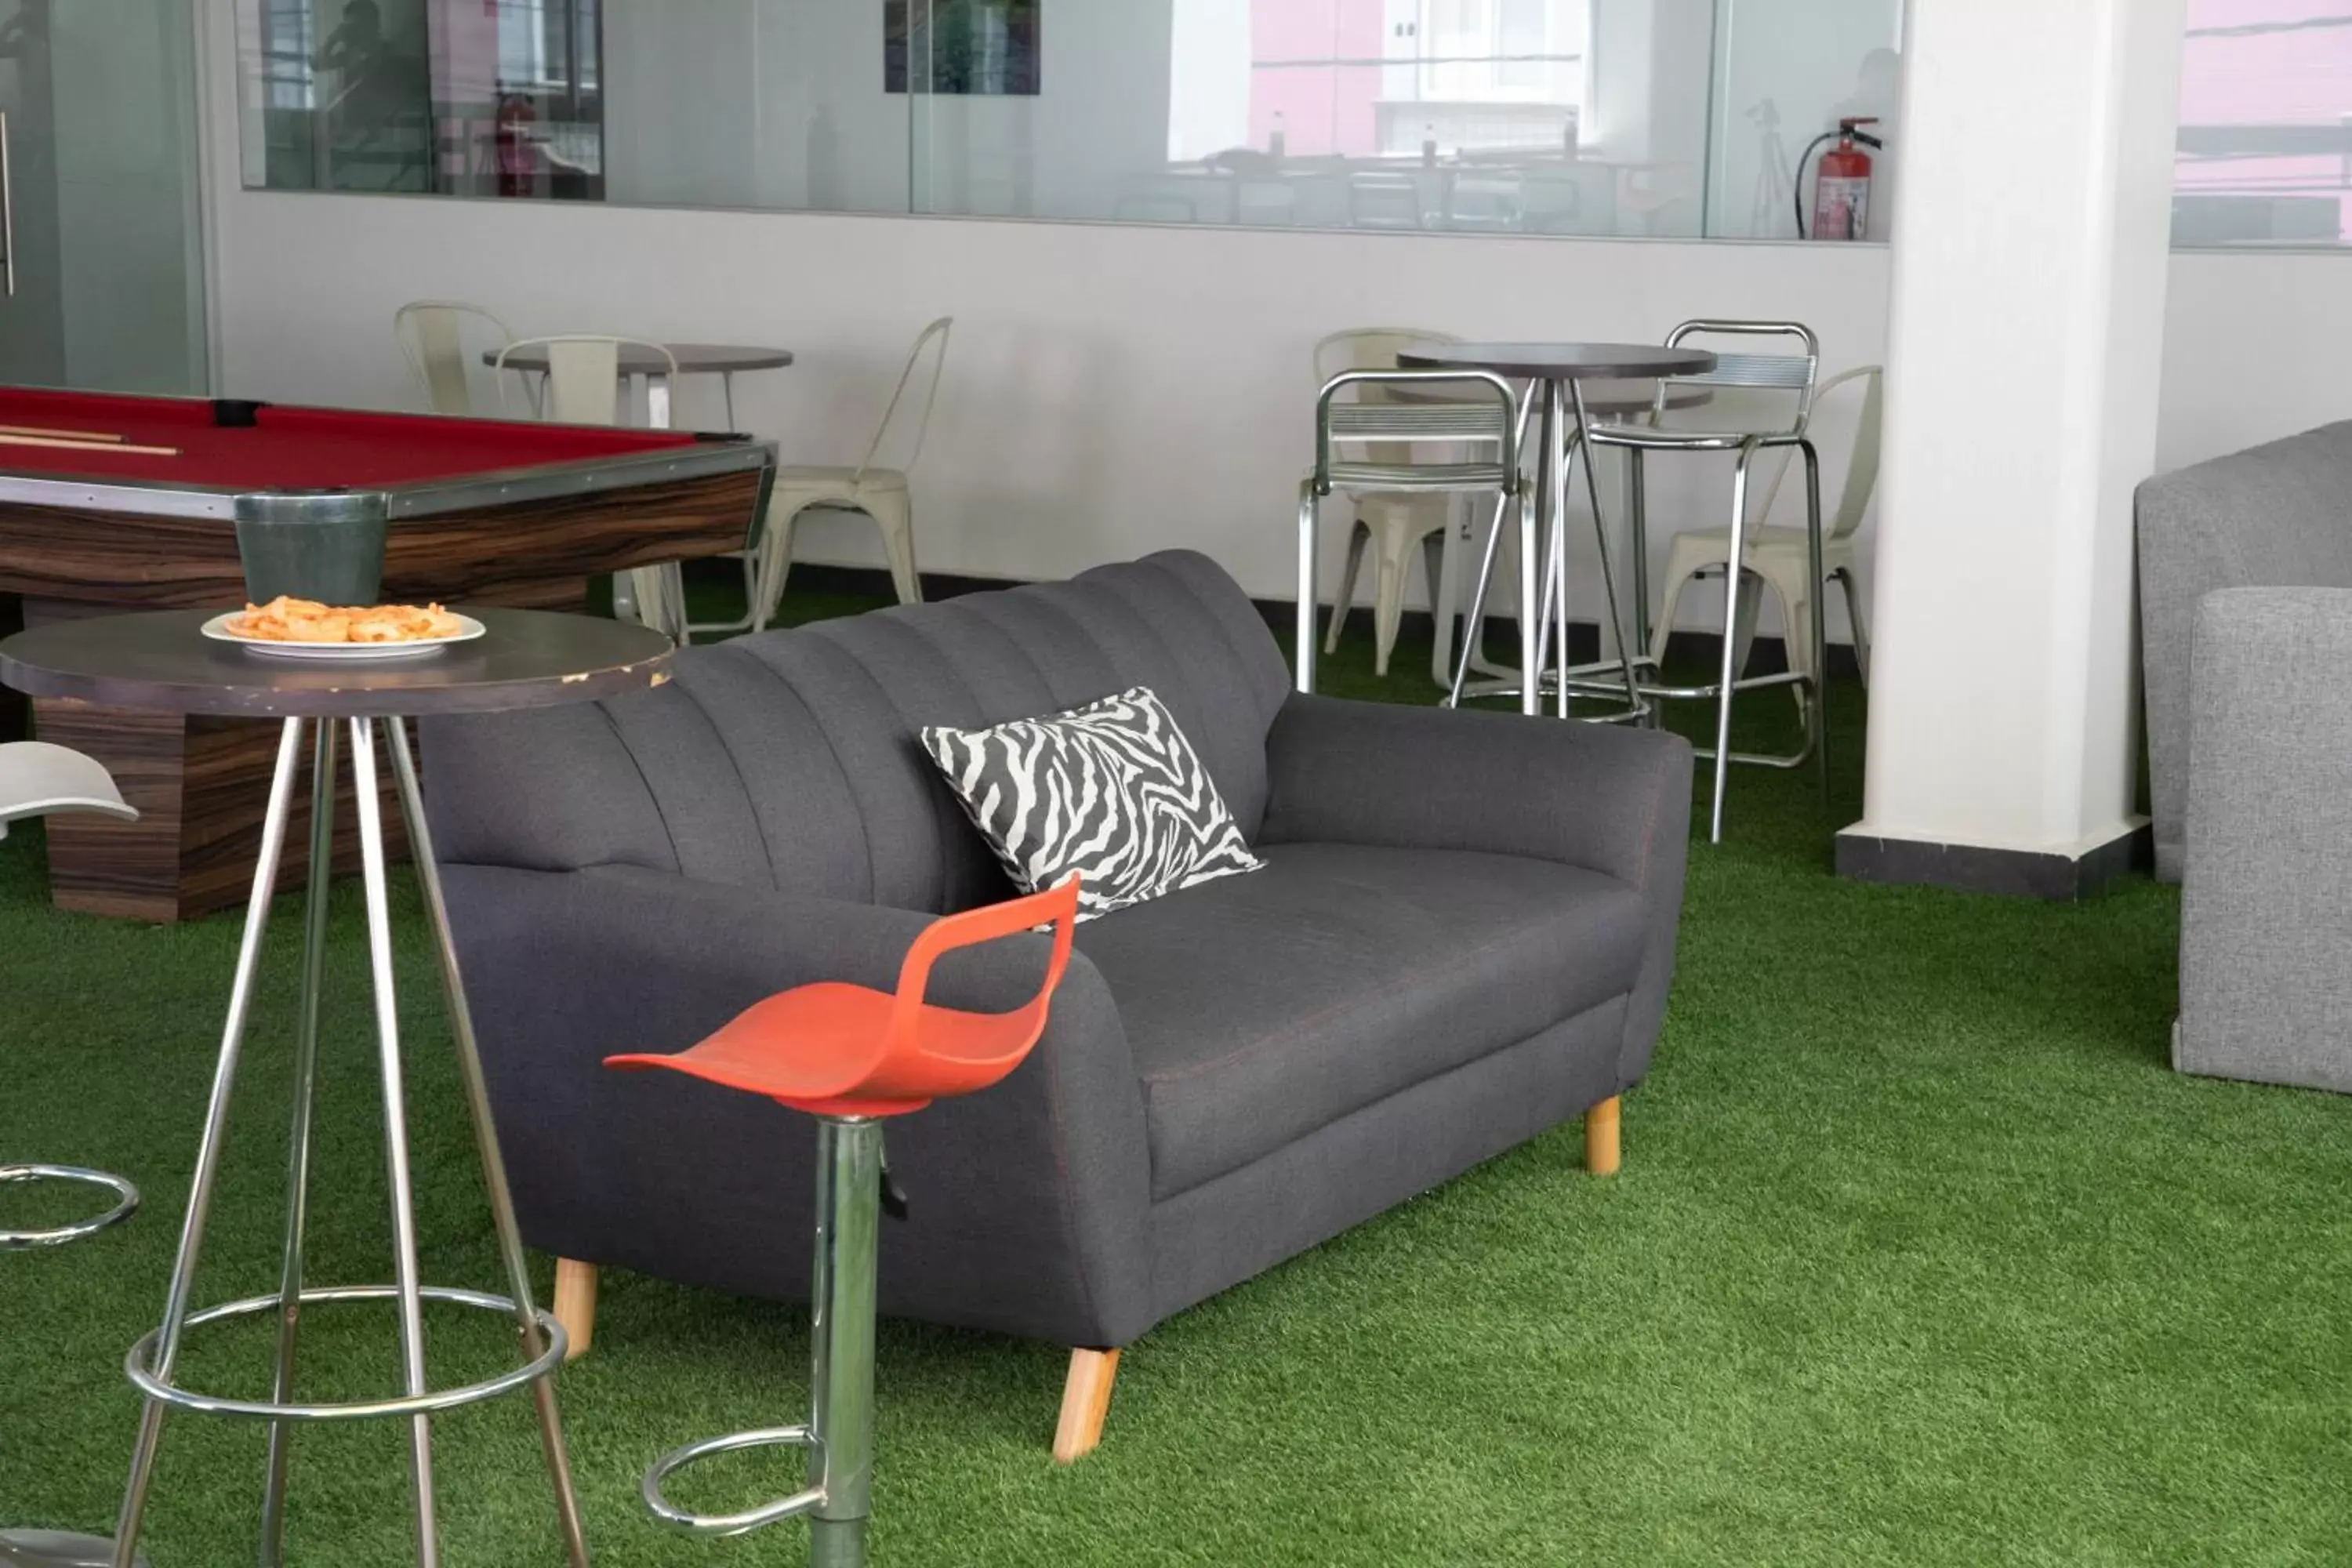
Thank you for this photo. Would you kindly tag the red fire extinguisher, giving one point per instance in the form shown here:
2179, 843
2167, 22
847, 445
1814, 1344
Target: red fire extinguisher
1841, 188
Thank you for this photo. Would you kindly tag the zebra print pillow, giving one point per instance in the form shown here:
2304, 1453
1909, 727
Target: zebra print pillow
1112, 790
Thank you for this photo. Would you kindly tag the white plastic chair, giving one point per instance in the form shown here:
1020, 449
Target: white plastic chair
432, 337
1776, 555
584, 387
1389, 522
879, 492
37, 778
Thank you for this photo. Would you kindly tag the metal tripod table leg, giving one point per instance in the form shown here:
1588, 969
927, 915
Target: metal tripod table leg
150, 1363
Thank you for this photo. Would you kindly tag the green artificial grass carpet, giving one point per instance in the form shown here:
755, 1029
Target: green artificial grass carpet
1921, 1255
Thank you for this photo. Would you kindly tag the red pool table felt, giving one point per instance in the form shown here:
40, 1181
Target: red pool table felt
293, 448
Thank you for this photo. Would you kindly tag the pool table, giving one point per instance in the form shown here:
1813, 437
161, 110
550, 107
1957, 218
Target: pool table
485, 511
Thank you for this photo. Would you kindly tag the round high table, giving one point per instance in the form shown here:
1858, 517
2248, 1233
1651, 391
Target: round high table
724, 361
159, 662
1606, 400
1557, 375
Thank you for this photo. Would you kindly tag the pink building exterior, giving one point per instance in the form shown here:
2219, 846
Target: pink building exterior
2252, 67
1296, 47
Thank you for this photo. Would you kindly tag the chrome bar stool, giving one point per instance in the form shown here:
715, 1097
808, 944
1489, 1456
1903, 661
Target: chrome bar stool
853, 1056
37, 778
1761, 401
1483, 416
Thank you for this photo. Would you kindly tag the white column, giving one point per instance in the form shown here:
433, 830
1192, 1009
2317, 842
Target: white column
2024, 343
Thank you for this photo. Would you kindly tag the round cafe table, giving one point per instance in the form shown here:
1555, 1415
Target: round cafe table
724, 361
1609, 401
1557, 375
160, 662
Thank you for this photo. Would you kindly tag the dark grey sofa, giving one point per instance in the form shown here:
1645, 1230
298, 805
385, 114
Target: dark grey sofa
1462, 937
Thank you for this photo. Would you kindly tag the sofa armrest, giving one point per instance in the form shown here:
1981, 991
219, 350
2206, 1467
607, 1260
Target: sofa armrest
1600, 797
2266, 914
1030, 1200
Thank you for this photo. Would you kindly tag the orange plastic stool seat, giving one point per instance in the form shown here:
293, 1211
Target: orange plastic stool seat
836, 1049
850, 1056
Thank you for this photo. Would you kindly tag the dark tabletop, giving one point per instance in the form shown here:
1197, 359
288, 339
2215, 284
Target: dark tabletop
693, 359
1560, 362
1609, 399
158, 662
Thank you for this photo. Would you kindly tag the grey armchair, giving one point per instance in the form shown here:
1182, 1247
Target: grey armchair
2246, 618
2274, 516
1462, 937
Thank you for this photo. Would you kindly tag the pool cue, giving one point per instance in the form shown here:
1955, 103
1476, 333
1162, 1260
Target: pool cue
89, 446
60, 435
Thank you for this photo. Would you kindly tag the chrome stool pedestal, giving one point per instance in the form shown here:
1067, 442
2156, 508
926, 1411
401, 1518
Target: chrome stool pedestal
839, 1436
51, 1548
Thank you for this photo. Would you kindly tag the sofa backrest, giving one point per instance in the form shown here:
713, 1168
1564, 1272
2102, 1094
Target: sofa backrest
790, 758
2275, 516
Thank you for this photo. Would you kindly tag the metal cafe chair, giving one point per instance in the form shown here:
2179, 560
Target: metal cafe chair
1777, 556
1760, 402
431, 333
1364, 441
880, 493
37, 778
852, 1058
584, 387
1388, 523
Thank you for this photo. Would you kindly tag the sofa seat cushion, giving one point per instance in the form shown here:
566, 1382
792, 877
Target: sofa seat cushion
1260, 1008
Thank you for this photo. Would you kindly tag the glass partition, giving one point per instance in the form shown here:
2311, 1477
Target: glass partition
1671, 118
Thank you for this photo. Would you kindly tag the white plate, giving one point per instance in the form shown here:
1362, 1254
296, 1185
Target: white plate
468, 628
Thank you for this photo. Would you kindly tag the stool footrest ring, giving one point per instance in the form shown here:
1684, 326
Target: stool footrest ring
126, 1205
138, 1365
724, 1524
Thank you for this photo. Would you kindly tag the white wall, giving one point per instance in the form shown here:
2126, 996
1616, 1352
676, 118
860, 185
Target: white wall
1113, 390
2253, 350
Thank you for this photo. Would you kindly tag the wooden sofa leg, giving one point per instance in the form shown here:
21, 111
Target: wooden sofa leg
1600, 1152
1085, 1400
575, 1304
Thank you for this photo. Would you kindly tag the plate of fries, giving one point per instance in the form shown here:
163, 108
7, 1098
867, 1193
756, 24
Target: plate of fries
303, 628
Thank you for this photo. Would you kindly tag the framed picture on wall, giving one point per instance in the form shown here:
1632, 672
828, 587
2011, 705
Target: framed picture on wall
985, 47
